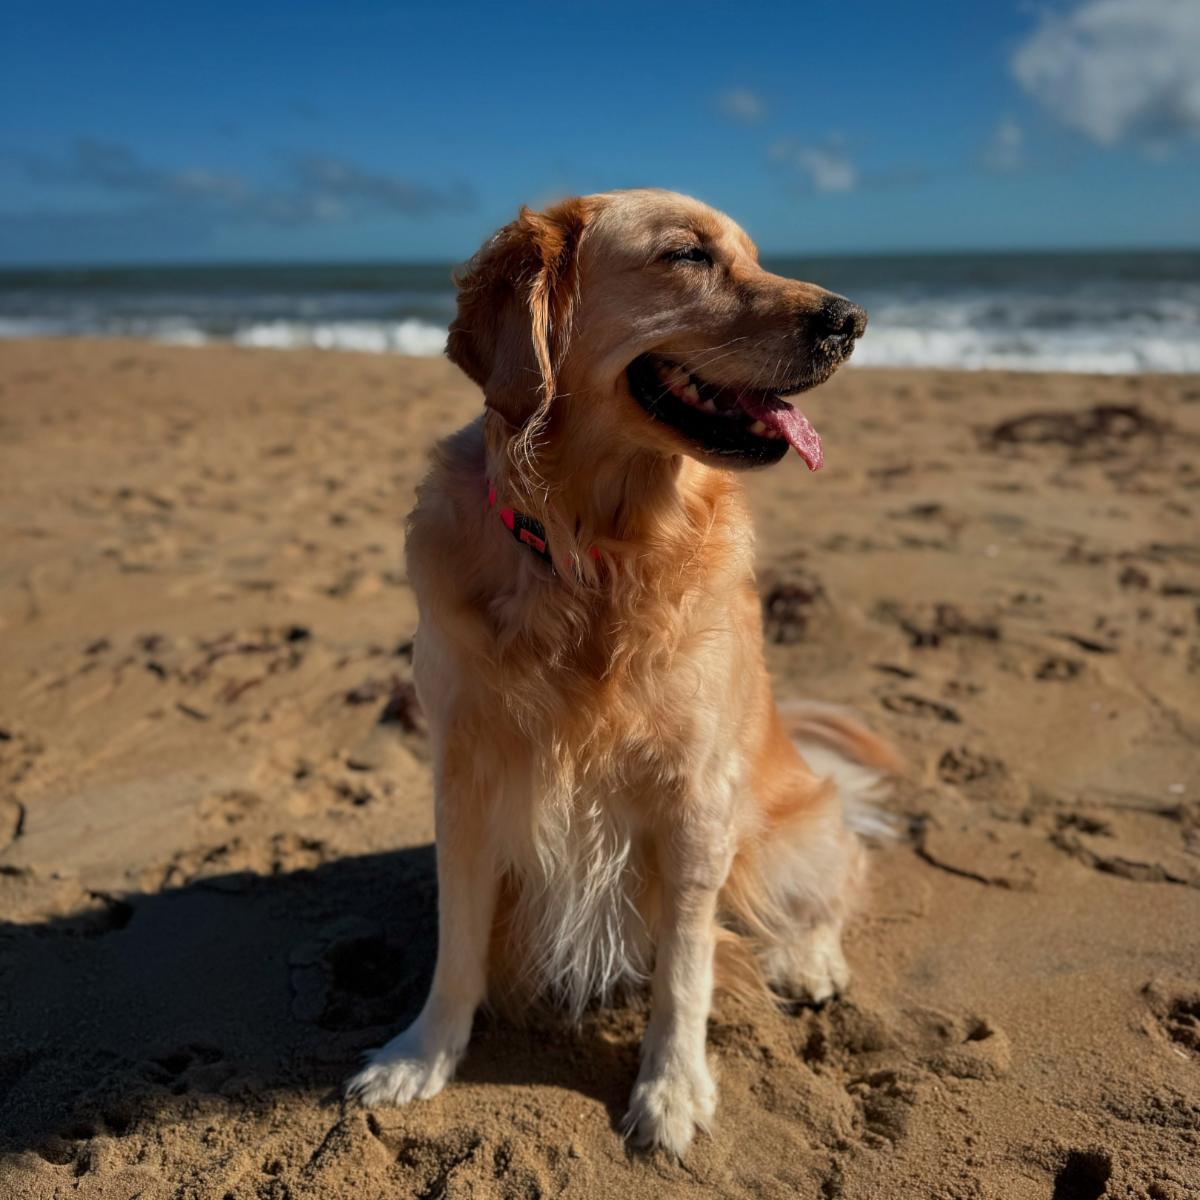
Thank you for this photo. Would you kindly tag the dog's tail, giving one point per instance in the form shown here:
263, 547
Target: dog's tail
836, 746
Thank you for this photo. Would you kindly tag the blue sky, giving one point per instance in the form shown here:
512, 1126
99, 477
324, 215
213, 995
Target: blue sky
137, 132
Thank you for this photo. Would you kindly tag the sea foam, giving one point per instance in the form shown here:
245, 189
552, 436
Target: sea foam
409, 336
1102, 312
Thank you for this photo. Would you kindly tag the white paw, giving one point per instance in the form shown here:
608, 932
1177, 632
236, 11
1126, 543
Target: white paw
667, 1108
813, 968
402, 1070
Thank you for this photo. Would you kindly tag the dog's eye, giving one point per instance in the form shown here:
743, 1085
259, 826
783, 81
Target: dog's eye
693, 254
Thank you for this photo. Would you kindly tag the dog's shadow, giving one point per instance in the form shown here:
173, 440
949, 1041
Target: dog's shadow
236, 987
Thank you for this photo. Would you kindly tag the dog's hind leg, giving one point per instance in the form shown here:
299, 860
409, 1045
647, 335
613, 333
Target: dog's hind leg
809, 965
795, 890
803, 885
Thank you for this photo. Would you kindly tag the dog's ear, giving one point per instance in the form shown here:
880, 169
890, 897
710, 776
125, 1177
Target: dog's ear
515, 302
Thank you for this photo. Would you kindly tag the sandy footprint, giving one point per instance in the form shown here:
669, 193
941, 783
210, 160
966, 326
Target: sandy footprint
1147, 846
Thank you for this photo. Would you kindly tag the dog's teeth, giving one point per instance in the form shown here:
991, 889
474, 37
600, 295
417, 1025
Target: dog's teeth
680, 379
758, 428
690, 394
709, 406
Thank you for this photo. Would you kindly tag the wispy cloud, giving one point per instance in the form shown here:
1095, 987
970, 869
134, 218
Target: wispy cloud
742, 104
1117, 70
825, 167
114, 167
311, 189
344, 188
1005, 149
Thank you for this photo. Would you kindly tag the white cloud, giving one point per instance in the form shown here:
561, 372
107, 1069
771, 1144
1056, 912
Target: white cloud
742, 105
827, 168
1118, 69
1003, 151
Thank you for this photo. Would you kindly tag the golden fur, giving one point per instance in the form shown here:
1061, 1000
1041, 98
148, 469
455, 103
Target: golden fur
616, 790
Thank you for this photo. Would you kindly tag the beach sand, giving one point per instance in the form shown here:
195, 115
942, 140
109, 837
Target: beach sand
216, 871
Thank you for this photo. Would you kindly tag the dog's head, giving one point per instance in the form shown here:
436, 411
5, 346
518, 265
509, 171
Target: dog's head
644, 317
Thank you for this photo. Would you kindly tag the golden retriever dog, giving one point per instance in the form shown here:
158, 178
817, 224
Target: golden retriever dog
618, 798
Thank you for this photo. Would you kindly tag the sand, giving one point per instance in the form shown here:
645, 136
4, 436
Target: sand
216, 876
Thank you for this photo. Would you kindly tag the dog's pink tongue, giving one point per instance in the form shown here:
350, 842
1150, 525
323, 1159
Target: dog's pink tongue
792, 424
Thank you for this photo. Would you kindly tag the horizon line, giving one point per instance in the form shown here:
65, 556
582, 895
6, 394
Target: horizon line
244, 263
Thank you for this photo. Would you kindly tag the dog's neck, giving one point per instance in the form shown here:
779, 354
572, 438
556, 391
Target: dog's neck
618, 499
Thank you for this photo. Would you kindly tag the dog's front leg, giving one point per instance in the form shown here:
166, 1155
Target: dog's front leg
417, 1063
675, 1092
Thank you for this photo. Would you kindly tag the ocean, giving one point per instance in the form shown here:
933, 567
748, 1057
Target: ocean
1134, 311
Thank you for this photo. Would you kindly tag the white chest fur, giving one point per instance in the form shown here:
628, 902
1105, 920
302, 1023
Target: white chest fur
575, 853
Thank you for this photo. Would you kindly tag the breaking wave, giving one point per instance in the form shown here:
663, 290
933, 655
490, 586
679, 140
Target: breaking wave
1096, 312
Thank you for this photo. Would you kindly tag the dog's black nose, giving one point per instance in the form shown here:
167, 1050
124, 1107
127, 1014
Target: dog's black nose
840, 320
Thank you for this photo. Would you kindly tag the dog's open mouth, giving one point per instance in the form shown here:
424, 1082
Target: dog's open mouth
736, 423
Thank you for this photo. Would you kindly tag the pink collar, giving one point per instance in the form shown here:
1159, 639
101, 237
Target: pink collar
528, 530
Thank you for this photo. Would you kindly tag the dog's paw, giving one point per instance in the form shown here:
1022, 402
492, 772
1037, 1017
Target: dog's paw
667, 1108
812, 968
402, 1070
